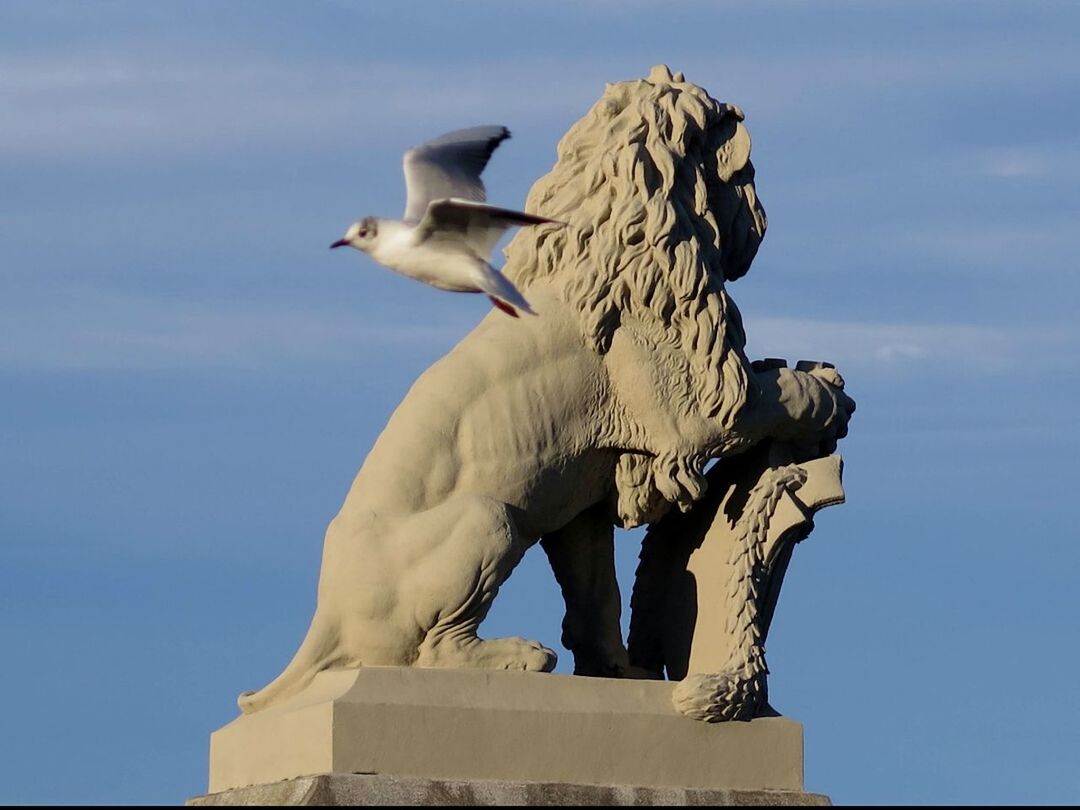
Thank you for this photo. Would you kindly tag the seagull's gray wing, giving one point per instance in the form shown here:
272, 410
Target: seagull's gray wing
449, 166
475, 224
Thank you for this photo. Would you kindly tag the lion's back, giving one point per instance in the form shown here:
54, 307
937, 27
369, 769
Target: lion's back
496, 406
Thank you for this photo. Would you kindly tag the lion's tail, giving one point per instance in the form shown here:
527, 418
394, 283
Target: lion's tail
319, 651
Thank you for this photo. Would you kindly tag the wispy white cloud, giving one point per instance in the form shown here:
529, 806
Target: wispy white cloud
89, 104
897, 347
86, 103
1008, 245
1015, 164
1030, 162
79, 329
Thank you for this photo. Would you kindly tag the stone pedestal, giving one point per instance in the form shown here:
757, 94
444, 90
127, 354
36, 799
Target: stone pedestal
378, 790
387, 735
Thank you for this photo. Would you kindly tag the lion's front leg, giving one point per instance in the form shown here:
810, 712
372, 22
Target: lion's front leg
808, 408
582, 555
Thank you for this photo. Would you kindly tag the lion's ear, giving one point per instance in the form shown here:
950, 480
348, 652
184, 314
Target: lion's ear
734, 152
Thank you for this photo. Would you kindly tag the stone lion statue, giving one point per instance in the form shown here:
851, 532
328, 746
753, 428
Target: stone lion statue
602, 411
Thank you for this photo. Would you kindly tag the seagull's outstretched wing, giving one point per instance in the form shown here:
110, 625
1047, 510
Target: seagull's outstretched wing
449, 166
475, 224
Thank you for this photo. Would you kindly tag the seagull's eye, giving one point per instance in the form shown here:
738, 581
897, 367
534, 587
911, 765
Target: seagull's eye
362, 233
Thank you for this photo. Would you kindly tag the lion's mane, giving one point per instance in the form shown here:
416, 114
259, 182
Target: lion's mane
657, 190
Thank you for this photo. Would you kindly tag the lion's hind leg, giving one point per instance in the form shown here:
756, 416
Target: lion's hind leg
355, 622
481, 546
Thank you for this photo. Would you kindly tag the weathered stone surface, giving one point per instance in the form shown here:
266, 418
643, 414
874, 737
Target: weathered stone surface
604, 408
513, 726
364, 790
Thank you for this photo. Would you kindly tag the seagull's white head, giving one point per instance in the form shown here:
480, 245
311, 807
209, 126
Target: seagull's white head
360, 235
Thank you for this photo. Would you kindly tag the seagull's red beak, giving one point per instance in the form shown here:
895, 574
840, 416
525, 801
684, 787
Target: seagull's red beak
340, 243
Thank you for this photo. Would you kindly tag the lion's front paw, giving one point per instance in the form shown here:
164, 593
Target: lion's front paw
836, 426
518, 654
513, 653
817, 407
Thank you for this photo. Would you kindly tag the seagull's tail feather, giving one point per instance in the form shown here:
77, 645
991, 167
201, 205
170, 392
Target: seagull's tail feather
501, 291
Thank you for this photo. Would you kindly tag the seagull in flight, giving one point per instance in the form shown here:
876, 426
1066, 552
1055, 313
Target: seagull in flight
448, 231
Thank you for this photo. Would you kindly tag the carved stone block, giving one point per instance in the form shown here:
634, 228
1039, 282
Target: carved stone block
510, 726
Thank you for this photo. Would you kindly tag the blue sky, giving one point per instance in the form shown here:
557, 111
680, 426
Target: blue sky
189, 379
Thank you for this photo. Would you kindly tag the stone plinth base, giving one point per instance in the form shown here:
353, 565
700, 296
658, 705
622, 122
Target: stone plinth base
369, 790
519, 736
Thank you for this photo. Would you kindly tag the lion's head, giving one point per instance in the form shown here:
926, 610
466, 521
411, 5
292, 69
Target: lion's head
657, 190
